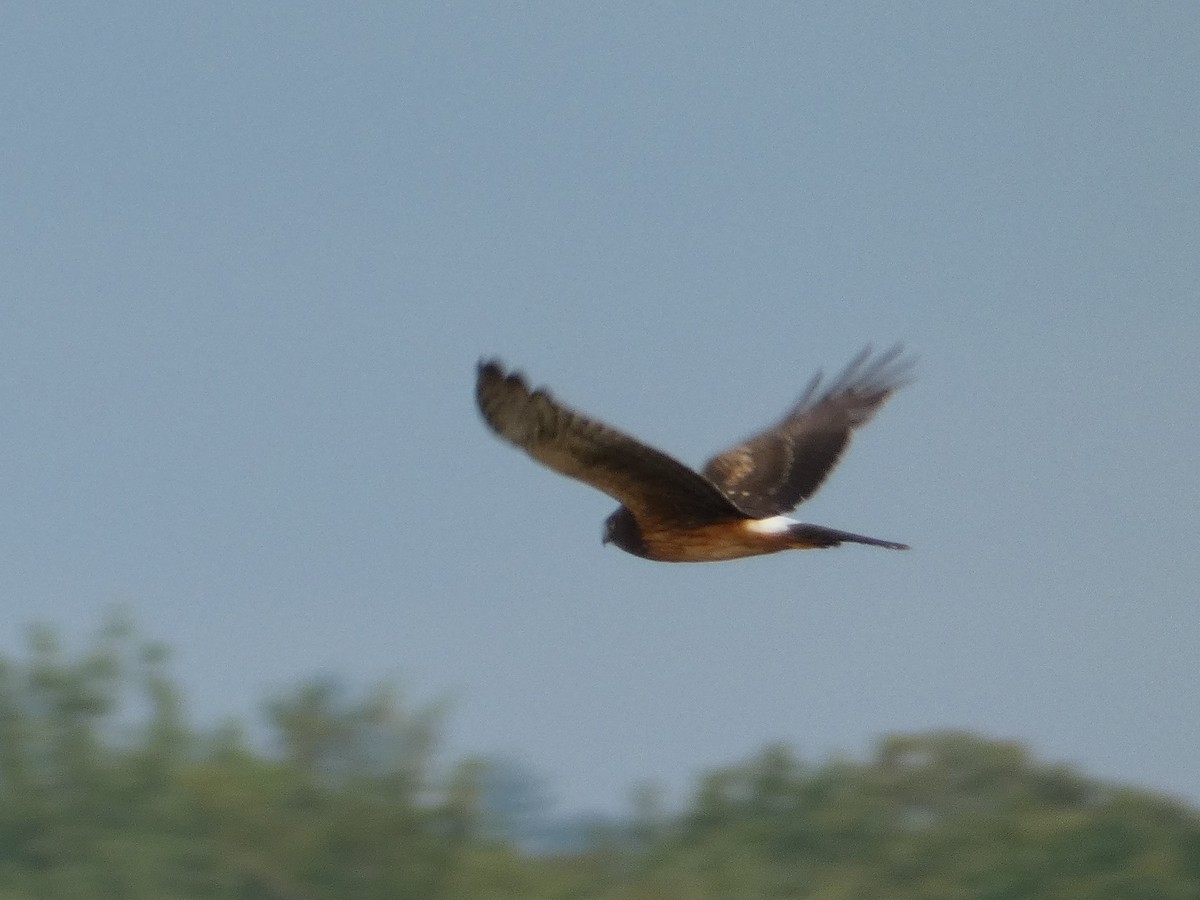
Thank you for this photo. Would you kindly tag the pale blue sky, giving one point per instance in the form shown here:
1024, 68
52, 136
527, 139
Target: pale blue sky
250, 254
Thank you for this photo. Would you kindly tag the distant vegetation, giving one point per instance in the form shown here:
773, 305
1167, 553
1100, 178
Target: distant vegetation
106, 791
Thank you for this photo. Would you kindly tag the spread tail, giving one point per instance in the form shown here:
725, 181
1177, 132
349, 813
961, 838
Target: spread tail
808, 536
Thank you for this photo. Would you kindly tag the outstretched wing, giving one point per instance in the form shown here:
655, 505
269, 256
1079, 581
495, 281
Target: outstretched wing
653, 485
773, 472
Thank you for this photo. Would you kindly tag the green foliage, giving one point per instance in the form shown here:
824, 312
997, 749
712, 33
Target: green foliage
942, 815
106, 792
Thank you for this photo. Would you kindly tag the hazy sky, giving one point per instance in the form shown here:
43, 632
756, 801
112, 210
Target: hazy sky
250, 254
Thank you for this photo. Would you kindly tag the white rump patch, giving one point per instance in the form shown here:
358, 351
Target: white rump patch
772, 525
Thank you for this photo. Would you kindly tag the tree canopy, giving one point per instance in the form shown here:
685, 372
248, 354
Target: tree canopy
106, 791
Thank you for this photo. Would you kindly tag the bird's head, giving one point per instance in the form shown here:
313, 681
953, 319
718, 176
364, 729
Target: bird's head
621, 528
610, 528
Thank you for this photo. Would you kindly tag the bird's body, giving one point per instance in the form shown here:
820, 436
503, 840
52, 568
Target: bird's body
735, 508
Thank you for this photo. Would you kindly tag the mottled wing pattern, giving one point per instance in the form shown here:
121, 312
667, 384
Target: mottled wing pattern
653, 485
774, 471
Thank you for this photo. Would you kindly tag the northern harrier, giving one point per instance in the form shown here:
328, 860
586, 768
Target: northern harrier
736, 506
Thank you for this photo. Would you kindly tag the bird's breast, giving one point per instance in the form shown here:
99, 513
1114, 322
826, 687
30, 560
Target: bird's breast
730, 539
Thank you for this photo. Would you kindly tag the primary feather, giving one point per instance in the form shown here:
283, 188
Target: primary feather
779, 468
633, 473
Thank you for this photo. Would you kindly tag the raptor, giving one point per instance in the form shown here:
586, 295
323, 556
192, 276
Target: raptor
736, 505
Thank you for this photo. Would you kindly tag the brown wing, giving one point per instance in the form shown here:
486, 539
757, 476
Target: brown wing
773, 472
650, 483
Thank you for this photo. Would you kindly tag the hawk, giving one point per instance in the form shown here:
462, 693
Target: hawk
735, 507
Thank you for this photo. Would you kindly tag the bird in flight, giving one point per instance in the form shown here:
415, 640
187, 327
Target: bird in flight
735, 507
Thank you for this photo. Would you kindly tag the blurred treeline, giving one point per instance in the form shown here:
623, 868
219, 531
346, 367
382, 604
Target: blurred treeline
106, 791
